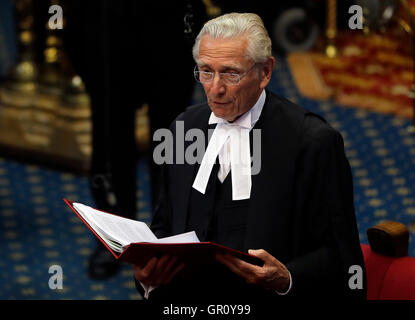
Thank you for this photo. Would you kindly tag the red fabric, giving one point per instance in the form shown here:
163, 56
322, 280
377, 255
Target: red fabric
399, 282
387, 277
376, 268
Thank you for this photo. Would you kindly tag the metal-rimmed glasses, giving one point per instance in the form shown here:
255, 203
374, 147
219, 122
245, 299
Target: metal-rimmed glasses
229, 78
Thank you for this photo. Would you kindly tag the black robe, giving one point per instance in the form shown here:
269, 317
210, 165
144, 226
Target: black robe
301, 209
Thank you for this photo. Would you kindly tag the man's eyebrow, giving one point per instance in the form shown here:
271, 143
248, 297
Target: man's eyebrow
203, 65
225, 67
233, 67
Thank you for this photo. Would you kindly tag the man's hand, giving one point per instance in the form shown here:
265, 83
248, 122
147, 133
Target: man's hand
272, 275
158, 271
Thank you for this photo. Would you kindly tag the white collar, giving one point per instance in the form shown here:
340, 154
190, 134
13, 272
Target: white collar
248, 119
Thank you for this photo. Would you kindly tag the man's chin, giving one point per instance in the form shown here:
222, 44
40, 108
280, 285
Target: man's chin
222, 115
220, 112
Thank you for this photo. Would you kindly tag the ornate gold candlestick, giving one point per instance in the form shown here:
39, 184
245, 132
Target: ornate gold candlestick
49, 89
331, 28
73, 125
45, 113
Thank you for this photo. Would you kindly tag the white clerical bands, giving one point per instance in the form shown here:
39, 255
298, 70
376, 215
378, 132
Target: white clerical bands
231, 142
240, 159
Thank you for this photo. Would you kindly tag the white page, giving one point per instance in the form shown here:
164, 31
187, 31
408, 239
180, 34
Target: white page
188, 237
121, 229
115, 244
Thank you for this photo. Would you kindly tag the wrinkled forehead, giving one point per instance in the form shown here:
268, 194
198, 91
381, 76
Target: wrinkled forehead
226, 52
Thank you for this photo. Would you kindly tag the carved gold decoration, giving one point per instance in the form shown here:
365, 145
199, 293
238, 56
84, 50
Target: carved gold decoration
44, 109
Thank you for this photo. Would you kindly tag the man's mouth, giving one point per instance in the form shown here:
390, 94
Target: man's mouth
220, 103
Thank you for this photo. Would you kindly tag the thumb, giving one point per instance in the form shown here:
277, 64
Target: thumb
260, 253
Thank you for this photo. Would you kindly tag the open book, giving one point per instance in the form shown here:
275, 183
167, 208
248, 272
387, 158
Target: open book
134, 242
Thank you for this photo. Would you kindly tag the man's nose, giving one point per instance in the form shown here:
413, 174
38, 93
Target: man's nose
218, 85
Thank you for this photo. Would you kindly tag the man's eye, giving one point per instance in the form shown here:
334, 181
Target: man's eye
205, 75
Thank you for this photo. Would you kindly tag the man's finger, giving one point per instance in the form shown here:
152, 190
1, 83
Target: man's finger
162, 262
160, 267
171, 263
167, 270
238, 266
141, 274
178, 269
260, 253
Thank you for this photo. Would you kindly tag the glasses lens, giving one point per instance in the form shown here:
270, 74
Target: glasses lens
205, 76
231, 78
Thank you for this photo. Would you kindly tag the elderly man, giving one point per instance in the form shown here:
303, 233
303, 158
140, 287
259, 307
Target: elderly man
296, 213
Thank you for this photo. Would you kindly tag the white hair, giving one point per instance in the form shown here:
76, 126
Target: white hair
233, 25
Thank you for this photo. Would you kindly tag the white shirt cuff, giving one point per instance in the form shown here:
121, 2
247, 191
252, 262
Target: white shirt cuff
289, 287
147, 290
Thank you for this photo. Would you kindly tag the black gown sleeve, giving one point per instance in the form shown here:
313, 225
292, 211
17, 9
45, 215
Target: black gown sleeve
325, 212
161, 222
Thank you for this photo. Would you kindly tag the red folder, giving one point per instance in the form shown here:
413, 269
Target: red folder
190, 253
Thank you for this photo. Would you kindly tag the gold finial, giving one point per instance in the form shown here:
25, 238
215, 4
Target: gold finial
331, 28
211, 10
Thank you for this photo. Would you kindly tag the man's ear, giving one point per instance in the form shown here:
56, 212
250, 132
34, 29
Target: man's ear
266, 71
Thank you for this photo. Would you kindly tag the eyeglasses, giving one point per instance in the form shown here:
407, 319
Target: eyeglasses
229, 78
